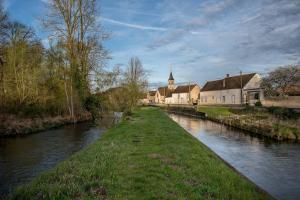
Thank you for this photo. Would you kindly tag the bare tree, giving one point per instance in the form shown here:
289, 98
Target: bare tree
74, 24
23, 60
135, 81
281, 79
3, 22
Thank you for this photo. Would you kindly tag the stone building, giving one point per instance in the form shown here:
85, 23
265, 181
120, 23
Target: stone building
234, 90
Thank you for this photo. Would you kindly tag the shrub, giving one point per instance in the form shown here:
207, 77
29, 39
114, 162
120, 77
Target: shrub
283, 113
31, 110
258, 104
93, 104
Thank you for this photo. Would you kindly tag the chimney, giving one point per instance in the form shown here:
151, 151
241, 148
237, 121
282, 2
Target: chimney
227, 75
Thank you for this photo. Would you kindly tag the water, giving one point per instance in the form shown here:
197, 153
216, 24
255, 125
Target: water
24, 158
273, 166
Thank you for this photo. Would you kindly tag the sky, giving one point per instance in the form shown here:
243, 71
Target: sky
198, 40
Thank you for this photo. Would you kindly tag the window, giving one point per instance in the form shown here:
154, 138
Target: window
205, 98
223, 99
233, 99
213, 97
256, 96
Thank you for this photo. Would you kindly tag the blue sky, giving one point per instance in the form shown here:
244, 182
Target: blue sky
200, 40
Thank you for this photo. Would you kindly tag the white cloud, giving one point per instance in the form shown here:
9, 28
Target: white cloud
46, 1
135, 26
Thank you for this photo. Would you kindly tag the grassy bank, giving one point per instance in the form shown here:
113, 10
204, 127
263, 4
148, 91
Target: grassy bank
13, 125
146, 157
275, 123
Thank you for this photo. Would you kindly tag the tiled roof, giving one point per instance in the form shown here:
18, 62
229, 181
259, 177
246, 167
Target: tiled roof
233, 82
293, 90
152, 93
165, 91
184, 88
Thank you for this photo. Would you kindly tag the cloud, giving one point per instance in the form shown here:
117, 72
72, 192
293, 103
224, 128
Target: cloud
212, 8
126, 10
205, 40
46, 1
135, 26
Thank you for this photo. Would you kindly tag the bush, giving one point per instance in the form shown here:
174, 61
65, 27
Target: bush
31, 110
283, 113
93, 105
258, 104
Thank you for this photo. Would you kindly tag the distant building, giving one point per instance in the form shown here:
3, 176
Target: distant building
148, 97
184, 94
163, 92
151, 96
234, 90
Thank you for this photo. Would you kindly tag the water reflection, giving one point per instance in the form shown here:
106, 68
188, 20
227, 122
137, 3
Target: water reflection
23, 158
273, 166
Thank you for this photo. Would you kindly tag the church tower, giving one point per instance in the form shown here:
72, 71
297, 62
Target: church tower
171, 82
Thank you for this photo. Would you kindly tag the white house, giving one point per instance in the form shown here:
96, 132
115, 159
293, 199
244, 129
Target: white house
233, 90
184, 94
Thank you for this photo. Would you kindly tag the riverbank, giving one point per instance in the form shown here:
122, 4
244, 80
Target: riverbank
279, 126
12, 125
148, 156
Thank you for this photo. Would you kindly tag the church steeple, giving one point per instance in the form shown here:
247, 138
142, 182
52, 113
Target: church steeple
171, 82
171, 77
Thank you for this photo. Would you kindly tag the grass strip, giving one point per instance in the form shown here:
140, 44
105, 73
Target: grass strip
146, 157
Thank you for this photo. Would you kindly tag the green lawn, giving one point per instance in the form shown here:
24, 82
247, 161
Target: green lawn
215, 110
146, 157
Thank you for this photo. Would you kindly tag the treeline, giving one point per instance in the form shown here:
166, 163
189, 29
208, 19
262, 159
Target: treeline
59, 79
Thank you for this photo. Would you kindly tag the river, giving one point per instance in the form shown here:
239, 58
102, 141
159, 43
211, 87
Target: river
24, 158
273, 166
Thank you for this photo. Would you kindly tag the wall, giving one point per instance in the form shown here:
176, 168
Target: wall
183, 98
254, 84
195, 94
232, 96
288, 102
150, 98
159, 98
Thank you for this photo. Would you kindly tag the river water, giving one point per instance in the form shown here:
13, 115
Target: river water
24, 158
273, 166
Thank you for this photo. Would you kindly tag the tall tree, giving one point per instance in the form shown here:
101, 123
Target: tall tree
73, 24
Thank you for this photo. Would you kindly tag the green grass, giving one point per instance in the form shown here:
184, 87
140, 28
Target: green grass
215, 110
146, 157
